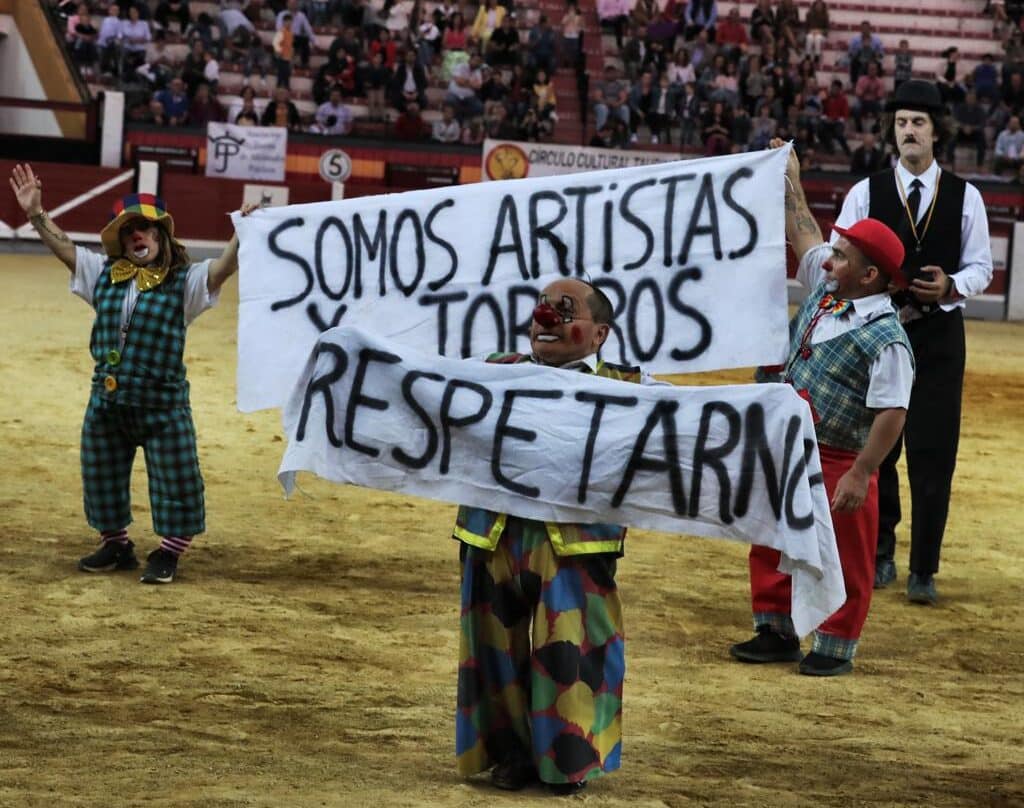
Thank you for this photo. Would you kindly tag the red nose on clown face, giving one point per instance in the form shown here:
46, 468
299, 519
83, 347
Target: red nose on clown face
546, 316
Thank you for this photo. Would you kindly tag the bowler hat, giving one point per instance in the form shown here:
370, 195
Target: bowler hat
880, 245
917, 94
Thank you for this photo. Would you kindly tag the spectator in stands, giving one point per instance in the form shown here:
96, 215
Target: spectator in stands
1013, 56
135, 36
702, 51
247, 46
689, 115
752, 82
541, 46
952, 90
986, 79
903, 64
700, 15
545, 101
787, 25
376, 81
192, 69
663, 30
868, 96
282, 111
969, 119
726, 86
731, 35
428, 42
835, 113
301, 30
762, 23
503, 46
204, 27
640, 103
742, 127
109, 41
248, 115
204, 107
333, 117
865, 48
346, 42
153, 114
614, 15
447, 129
493, 90
499, 125
572, 33
817, 24
170, 13
762, 128
456, 36
868, 158
716, 130
1010, 147
397, 17
466, 80
662, 109
610, 98
410, 124
284, 51
472, 132
81, 37
1013, 92
175, 102
409, 83
680, 71
488, 20
386, 46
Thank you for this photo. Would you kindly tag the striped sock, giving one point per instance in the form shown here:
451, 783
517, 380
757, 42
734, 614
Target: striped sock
175, 544
119, 536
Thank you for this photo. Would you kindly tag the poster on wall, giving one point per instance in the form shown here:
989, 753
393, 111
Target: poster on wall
514, 160
246, 152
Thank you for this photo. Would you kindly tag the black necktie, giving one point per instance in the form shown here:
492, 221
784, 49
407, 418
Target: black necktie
914, 199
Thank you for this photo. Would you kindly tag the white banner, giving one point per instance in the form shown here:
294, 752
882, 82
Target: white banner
740, 462
246, 152
514, 160
691, 255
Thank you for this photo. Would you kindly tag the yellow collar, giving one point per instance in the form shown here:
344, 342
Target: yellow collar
145, 277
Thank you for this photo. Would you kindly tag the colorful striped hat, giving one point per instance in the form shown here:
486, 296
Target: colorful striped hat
133, 206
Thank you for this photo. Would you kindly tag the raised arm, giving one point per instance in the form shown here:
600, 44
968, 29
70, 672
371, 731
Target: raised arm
226, 265
28, 189
802, 229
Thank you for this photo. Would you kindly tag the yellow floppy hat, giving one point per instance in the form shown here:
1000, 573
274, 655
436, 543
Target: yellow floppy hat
133, 206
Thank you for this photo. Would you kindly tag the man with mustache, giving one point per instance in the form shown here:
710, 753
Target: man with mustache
541, 654
941, 220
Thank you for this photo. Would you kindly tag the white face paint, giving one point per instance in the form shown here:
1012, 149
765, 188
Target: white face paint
831, 285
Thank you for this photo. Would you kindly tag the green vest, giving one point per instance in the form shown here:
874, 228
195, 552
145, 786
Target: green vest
838, 371
149, 369
483, 528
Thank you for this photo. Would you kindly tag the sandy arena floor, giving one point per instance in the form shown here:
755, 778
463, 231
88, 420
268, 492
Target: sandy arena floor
306, 655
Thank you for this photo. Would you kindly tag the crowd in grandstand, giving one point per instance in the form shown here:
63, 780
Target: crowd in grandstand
678, 73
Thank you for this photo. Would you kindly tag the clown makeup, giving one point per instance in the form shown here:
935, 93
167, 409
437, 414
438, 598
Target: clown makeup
140, 241
563, 329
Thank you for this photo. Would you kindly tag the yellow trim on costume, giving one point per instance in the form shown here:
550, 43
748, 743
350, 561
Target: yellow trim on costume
563, 548
488, 542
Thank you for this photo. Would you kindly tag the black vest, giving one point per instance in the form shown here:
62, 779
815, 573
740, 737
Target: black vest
941, 243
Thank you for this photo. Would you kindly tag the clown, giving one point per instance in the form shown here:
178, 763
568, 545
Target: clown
541, 657
146, 291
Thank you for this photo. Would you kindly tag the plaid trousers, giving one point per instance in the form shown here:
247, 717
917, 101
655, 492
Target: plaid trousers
110, 436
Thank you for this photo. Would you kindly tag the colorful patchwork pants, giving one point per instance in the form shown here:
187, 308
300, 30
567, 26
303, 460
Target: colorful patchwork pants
541, 658
110, 437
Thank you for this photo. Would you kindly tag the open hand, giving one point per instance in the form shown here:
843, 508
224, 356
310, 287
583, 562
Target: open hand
28, 189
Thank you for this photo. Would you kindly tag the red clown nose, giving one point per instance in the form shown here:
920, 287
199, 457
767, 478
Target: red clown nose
546, 316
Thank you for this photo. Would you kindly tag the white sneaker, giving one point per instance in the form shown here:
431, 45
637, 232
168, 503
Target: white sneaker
654, 138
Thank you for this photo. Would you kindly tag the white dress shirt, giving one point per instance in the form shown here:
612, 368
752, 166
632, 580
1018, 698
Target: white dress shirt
892, 372
974, 272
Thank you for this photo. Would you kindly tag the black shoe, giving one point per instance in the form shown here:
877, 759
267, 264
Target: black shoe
566, 789
767, 646
111, 555
815, 664
885, 573
160, 567
513, 775
921, 589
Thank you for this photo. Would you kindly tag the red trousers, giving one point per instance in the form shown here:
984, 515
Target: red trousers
856, 537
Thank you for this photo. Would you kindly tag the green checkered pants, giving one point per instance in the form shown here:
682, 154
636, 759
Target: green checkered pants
110, 436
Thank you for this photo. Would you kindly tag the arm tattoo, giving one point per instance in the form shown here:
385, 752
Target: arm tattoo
806, 223
39, 222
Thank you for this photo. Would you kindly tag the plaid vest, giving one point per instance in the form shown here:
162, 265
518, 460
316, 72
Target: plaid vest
483, 528
149, 370
837, 373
